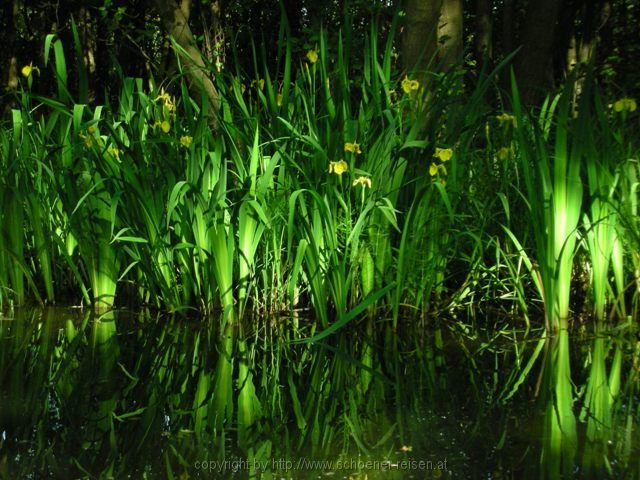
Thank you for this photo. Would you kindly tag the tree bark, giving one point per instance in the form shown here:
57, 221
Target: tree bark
87, 31
214, 35
419, 36
450, 32
9, 58
176, 24
535, 57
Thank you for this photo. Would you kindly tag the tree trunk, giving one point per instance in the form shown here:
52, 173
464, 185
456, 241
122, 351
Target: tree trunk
535, 57
214, 36
450, 32
483, 40
595, 17
176, 24
419, 37
9, 58
87, 32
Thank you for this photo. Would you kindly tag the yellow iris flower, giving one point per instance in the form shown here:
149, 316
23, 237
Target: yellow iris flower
504, 153
186, 140
114, 152
164, 96
258, 83
625, 105
409, 85
27, 70
364, 181
443, 154
506, 119
338, 167
352, 147
312, 56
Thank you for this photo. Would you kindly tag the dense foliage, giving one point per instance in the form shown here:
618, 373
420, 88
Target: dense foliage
303, 186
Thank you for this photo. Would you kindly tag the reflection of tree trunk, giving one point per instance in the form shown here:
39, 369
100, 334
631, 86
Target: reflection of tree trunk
534, 58
176, 25
419, 38
450, 32
483, 43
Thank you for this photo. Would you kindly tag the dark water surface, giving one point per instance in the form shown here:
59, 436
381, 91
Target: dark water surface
127, 395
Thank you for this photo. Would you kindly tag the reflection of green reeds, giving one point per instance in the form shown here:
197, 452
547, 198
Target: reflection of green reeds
559, 435
598, 407
105, 352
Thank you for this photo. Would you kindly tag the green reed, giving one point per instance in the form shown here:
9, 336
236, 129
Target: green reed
554, 197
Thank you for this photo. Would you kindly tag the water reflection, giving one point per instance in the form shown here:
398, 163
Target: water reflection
148, 396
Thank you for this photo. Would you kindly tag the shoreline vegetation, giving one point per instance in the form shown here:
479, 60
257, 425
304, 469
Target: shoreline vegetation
318, 192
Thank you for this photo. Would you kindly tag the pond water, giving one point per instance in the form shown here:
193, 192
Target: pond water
139, 395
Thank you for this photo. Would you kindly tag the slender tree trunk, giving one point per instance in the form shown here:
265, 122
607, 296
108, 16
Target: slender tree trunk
419, 37
450, 32
213, 49
535, 57
572, 54
596, 16
9, 57
176, 24
483, 39
87, 32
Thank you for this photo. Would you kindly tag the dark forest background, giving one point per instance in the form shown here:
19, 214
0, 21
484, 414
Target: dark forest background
123, 38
